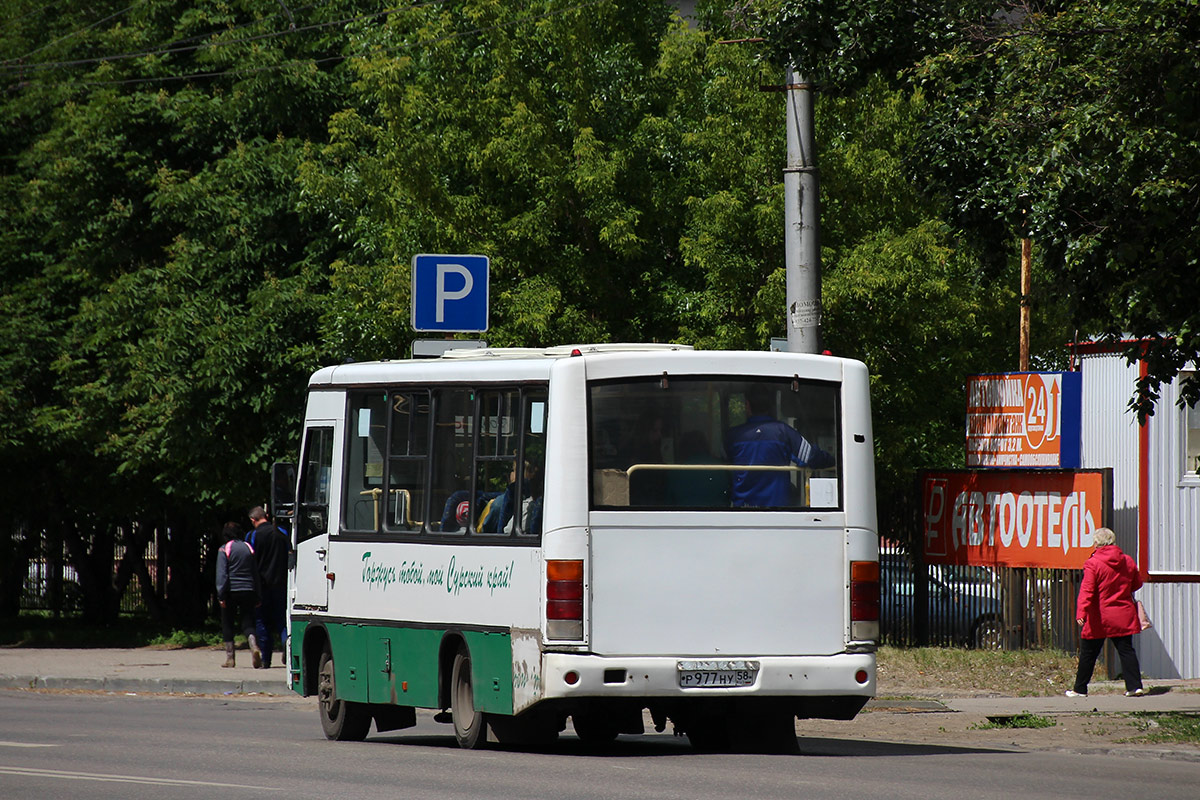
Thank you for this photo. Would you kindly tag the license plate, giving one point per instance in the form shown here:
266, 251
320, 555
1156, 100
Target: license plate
716, 674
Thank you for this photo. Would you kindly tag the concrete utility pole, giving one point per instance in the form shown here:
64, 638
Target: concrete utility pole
802, 219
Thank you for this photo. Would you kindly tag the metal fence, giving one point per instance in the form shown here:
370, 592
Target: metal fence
52, 583
1007, 608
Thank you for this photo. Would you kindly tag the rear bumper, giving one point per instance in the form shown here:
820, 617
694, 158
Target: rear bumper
658, 677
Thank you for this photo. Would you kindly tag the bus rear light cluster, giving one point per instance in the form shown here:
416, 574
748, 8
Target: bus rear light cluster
864, 601
564, 600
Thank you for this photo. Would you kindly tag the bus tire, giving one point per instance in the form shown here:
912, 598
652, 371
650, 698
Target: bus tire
341, 720
470, 727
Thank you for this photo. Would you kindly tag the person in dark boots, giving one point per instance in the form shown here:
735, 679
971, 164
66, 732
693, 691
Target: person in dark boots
237, 590
271, 548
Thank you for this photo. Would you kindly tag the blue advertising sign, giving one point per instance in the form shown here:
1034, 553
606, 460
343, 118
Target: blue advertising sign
449, 292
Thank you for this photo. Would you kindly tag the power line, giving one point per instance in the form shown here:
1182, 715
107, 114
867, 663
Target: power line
42, 66
78, 31
333, 59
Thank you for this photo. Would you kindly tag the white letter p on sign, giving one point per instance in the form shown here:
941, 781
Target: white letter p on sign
459, 294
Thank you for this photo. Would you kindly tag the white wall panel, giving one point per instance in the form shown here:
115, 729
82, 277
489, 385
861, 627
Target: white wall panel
1110, 438
1170, 649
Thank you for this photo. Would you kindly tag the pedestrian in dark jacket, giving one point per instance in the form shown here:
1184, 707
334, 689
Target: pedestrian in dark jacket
237, 589
271, 547
1106, 609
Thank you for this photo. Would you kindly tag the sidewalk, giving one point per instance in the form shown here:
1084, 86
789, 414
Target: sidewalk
142, 670
1103, 697
199, 671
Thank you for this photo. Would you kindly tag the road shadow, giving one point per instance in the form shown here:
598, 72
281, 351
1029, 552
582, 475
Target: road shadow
567, 745
666, 745
866, 748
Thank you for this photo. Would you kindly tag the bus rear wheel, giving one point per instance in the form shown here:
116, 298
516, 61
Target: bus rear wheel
341, 720
470, 728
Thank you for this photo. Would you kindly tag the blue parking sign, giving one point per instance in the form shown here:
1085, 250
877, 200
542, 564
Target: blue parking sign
449, 292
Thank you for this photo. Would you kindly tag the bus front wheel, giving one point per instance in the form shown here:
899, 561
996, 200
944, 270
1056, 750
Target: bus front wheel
469, 725
342, 720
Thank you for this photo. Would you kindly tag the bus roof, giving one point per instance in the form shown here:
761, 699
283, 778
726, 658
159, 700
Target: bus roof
560, 351
533, 363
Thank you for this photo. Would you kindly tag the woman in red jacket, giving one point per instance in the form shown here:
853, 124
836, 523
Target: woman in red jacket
1106, 610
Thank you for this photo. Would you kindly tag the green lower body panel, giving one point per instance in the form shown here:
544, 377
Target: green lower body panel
401, 666
296, 662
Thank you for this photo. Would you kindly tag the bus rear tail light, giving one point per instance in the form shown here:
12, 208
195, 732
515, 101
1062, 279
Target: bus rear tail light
564, 600
864, 601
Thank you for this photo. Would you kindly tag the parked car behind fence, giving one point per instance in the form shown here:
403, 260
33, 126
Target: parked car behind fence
975, 606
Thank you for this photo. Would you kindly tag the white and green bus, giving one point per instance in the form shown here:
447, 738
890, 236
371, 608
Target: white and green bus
515, 537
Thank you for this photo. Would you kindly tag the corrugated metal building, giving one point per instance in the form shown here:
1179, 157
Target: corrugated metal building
1156, 503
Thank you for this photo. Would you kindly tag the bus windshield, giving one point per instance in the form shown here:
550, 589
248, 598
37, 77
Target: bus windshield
699, 442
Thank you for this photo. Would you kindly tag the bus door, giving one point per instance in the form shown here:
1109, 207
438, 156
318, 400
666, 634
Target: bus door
311, 521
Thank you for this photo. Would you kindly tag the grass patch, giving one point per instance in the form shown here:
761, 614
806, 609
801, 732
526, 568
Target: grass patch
1022, 673
1022, 720
1167, 726
182, 640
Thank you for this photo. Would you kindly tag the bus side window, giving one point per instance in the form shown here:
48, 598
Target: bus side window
450, 461
366, 438
497, 484
534, 457
312, 516
408, 455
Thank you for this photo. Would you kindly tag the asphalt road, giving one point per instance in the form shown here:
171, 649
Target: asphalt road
66, 745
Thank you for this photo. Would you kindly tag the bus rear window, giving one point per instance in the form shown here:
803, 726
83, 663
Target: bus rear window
714, 443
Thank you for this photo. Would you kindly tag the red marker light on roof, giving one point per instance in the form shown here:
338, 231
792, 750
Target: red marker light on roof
576, 352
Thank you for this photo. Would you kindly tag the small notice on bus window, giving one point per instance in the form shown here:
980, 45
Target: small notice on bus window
823, 492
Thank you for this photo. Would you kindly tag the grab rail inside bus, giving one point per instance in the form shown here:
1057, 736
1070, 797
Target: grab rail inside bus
620, 493
725, 467
412, 523
376, 493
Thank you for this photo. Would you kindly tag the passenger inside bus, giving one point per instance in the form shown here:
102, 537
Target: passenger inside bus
496, 510
456, 511
499, 513
763, 440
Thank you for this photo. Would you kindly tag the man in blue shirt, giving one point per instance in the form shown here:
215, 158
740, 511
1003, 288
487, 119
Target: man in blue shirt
763, 440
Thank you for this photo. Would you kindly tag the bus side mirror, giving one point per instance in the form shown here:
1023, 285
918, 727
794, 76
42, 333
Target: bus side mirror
283, 490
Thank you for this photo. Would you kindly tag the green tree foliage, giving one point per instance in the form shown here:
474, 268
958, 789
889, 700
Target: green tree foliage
203, 202
903, 290
160, 281
1084, 117
520, 133
1071, 122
